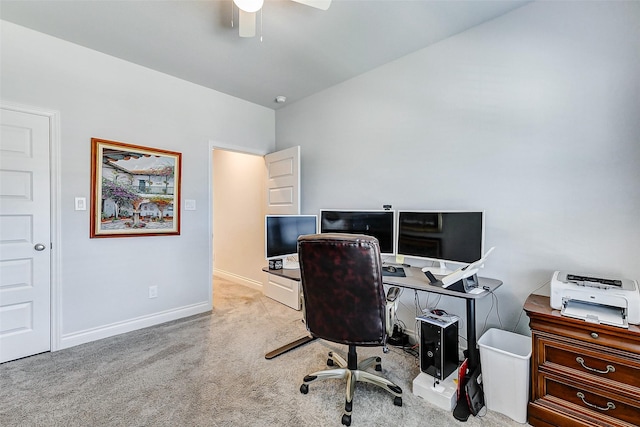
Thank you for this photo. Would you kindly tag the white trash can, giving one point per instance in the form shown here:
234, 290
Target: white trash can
505, 362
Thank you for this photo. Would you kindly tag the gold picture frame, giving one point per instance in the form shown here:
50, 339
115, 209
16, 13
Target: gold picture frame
135, 190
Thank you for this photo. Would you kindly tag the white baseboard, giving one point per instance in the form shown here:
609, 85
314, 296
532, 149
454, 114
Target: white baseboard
94, 334
241, 280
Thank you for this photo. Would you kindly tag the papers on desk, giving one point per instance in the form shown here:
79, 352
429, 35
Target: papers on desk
464, 272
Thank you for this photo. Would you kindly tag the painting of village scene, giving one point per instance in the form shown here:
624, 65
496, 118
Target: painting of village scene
135, 190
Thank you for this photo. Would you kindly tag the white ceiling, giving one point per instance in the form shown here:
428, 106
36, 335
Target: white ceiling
303, 51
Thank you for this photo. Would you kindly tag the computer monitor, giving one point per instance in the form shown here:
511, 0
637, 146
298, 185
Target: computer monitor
282, 232
377, 223
455, 237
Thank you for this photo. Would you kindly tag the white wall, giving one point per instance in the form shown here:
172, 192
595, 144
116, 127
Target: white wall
104, 282
239, 182
532, 117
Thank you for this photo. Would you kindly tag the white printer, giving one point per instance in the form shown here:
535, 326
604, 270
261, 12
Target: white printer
613, 302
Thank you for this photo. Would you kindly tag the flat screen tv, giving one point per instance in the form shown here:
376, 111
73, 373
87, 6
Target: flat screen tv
442, 236
377, 223
282, 232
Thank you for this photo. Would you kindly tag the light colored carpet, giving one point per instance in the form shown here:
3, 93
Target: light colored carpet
209, 370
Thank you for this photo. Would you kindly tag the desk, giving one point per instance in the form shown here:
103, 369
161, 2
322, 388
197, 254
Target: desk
415, 280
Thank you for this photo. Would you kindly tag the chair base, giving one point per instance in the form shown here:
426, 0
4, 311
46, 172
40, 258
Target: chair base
353, 372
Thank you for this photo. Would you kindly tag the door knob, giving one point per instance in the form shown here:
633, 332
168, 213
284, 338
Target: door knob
39, 247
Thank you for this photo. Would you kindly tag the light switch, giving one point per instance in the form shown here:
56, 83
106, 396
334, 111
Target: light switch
189, 205
81, 203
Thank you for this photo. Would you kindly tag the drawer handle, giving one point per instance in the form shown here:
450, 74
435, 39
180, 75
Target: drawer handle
610, 368
610, 405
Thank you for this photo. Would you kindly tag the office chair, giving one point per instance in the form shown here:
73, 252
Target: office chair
344, 302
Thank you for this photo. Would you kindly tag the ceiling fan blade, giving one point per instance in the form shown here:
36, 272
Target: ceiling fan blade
246, 23
318, 4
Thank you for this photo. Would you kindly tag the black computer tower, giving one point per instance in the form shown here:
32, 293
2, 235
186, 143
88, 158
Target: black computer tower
438, 346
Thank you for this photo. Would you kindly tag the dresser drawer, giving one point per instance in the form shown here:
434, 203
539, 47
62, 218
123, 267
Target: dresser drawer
583, 374
595, 404
593, 363
610, 337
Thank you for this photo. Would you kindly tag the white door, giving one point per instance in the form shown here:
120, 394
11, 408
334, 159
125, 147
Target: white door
25, 236
283, 198
283, 182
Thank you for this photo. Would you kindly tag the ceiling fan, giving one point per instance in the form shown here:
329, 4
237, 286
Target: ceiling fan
247, 10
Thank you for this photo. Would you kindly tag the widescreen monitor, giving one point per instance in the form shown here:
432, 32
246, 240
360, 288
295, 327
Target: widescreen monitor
377, 223
282, 232
442, 236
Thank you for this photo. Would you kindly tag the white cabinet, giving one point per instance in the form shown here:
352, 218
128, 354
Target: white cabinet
284, 290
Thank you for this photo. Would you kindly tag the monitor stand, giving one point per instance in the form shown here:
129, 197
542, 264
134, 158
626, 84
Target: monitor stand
441, 270
291, 263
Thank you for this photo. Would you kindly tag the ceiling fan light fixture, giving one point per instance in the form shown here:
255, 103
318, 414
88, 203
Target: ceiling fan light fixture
247, 10
249, 5
246, 24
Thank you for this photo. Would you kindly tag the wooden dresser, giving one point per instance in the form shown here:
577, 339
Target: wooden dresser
582, 374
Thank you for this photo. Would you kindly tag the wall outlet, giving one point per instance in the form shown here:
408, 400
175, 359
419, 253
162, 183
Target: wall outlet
153, 292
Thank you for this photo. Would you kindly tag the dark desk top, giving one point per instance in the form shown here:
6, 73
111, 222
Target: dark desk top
415, 280
289, 273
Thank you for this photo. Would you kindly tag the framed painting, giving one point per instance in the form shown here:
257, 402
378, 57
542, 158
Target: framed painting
135, 190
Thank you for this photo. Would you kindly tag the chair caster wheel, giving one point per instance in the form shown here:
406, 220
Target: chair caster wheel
304, 389
330, 362
397, 401
378, 368
346, 420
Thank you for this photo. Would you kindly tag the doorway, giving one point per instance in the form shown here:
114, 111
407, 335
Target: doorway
246, 187
238, 209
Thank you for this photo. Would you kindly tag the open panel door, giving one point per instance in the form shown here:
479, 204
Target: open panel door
25, 234
283, 198
283, 182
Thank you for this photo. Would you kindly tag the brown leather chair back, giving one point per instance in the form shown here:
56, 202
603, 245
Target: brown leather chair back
344, 299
